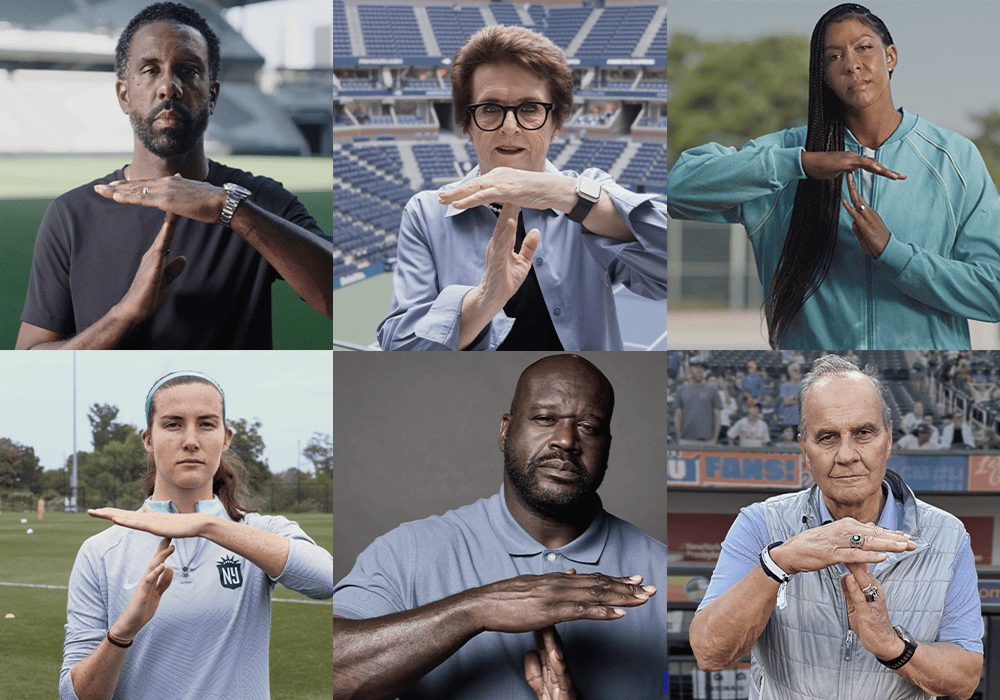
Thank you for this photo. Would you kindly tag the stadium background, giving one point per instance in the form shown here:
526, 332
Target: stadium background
394, 132
61, 127
739, 69
708, 487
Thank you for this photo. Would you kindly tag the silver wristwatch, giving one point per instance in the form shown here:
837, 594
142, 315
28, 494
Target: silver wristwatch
234, 195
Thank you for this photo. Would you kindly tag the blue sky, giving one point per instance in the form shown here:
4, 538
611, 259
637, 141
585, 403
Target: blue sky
290, 392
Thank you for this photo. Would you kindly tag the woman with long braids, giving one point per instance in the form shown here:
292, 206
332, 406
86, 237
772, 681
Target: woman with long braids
871, 227
174, 600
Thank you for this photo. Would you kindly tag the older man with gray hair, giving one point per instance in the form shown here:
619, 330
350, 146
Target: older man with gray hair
852, 588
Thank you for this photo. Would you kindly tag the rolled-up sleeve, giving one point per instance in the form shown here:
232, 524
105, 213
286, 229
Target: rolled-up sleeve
640, 265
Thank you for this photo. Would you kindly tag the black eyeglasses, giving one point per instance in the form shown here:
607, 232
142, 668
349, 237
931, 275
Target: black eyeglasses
489, 116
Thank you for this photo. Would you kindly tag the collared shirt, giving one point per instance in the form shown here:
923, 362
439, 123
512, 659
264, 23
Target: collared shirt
209, 637
441, 255
424, 561
961, 619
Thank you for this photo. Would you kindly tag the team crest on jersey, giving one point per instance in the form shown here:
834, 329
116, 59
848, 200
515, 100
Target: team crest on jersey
230, 573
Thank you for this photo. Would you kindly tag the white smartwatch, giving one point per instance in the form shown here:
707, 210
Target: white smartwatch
588, 193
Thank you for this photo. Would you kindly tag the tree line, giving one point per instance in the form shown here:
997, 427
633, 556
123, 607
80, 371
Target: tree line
112, 474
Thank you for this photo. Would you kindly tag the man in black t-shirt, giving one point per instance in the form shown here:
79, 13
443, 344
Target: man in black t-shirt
191, 265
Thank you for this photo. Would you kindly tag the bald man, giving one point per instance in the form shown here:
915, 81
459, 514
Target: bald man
852, 588
521, 595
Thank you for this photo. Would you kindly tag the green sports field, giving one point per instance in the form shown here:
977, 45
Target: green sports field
27, 185
301, 640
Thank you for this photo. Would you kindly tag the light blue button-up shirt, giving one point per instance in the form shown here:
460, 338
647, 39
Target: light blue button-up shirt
428, 560
441, 255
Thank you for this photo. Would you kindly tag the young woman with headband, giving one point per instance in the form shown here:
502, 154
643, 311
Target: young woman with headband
174, 602
871, 227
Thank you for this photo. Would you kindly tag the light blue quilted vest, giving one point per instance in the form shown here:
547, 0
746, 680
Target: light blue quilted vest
807, 650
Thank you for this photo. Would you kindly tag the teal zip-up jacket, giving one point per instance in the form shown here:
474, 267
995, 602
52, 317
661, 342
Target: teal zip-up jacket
940, 267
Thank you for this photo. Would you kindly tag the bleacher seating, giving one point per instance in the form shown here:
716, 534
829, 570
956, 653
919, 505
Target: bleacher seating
619, 28
564, 24
435, 160
341, 37
595, 153
640, 169
452, 27
391, 31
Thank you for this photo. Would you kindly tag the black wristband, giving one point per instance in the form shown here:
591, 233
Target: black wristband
769, 566
910, 647
119, 643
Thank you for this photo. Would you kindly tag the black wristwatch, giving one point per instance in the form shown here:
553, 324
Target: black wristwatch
588, 193
902, 659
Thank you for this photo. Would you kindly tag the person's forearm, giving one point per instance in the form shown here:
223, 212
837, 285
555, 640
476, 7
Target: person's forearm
478, 309
267, 551
96, 675
678, 422
379, 658
716, 425
603, 218
302, 259
726, 628
943, 669
104, 334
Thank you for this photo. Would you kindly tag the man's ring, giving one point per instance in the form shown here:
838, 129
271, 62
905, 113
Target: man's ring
862, 207
871, 593
857, 541
145, 191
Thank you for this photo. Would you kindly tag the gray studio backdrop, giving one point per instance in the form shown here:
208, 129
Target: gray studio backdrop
415, 434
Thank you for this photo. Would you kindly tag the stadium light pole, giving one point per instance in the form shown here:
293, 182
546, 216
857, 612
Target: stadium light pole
72, 483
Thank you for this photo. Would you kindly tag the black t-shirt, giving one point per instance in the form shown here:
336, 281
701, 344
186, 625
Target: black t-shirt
533, 328
88, 250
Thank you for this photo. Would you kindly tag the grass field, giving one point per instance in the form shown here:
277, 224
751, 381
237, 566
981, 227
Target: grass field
27, 185
301, 640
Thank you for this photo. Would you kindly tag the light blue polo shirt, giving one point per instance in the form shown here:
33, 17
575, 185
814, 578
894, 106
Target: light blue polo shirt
424, 561
209, 637
961, 618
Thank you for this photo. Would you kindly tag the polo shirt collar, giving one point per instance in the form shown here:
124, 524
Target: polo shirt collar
474, 173
212, 507
585, 549
887, 519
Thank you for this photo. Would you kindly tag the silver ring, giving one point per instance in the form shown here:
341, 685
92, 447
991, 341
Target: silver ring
871, 593
857, 541
862, 207
145, 191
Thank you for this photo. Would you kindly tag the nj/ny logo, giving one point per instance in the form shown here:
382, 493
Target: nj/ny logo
230, 573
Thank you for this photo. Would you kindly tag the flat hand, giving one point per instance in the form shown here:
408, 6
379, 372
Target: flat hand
826, 165
148, 291
868, 226
820, 547
146, 597
191, 199
545, 669
505, 270
528, 603
172, 525
869, 619
524, 188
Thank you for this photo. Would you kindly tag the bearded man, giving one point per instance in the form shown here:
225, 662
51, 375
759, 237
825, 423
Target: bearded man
103, 275
522, 595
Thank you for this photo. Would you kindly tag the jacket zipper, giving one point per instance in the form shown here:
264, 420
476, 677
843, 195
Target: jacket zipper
869, 284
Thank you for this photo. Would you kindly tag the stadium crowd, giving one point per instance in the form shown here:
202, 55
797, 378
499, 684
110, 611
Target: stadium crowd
940, 399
